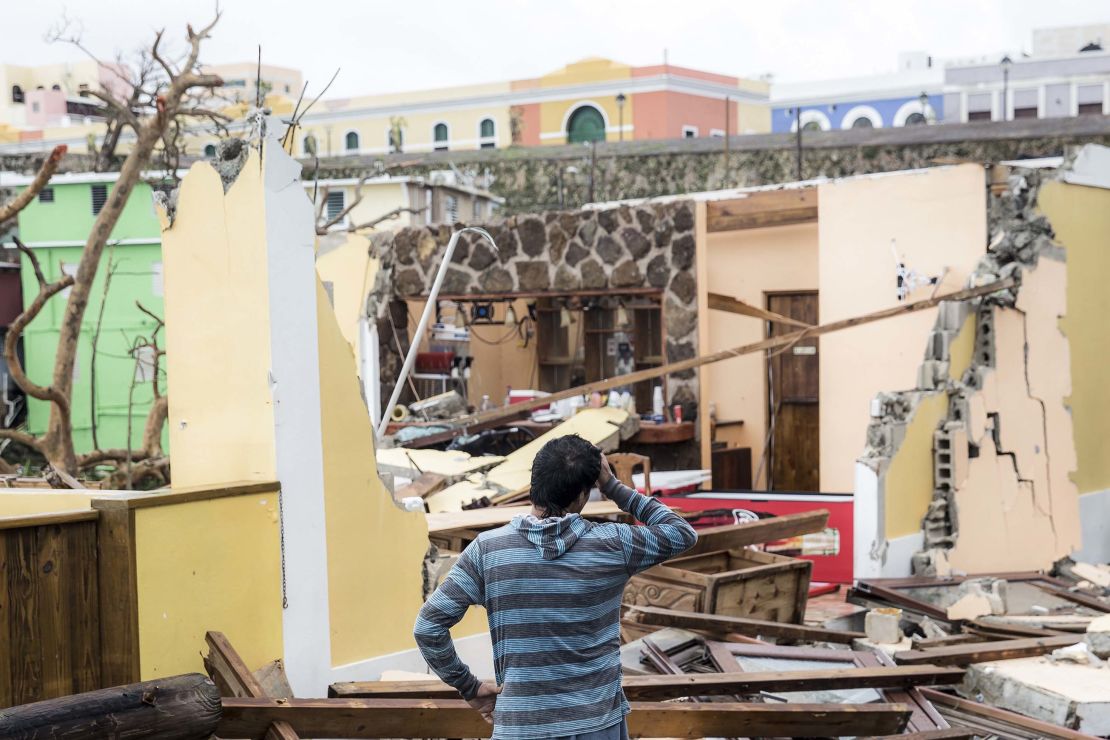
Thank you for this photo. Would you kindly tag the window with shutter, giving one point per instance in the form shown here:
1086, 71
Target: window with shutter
46, 195
99, 195
336, 203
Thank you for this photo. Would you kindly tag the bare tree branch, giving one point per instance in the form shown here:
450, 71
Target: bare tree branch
20, 438
19, 202
386, 217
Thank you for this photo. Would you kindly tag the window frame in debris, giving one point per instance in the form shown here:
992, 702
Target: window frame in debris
98, 196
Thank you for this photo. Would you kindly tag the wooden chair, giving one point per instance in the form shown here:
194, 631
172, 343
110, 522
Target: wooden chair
623, 463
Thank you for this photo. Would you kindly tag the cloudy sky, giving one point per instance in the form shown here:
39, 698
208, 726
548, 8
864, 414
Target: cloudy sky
383, 46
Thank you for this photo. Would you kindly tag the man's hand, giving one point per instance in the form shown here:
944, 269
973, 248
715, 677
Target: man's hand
485, 700
605, 474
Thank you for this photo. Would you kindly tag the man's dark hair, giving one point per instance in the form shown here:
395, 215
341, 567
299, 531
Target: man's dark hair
562, 470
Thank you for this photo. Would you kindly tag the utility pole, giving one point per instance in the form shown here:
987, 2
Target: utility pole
728, 103
620, 116
593, 168
1005, 64
798, 138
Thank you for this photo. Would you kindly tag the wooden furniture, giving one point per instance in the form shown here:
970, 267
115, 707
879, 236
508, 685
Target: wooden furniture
624, 463
737, 583
732, 469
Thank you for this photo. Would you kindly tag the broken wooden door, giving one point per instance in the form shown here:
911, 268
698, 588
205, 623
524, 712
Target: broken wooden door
793, 409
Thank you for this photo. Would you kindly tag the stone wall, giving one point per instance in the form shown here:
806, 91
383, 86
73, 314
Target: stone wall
549, 178
646, 246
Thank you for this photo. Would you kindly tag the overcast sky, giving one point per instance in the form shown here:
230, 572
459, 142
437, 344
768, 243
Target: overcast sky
412, 44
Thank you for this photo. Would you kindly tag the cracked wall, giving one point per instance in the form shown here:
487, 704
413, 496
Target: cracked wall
987, 429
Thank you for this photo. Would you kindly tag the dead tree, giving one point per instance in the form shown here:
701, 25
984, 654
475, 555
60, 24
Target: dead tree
157, 116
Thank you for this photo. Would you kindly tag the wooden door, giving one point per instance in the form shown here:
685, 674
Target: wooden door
793, 409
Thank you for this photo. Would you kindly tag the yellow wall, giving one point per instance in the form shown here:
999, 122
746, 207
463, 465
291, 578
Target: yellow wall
1081, 218
908, 483
374, 548
374, 130
208, 565
961, 350
553, 115
938, 219
29, 501
351, 272
221, 423
747, 265
754, 118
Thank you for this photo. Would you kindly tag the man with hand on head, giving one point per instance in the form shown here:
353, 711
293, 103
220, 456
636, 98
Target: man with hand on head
551, 583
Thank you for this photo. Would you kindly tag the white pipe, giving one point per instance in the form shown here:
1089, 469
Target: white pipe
429, 307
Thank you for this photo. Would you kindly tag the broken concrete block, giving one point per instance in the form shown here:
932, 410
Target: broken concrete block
882, 625
950, 456
1065, 694
939, 343
1098, 636
969, 606
951, 315
1079, 653
927, 374
1096, 574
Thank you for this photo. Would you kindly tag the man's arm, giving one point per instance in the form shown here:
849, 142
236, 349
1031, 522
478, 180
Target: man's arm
664, 534
462, 587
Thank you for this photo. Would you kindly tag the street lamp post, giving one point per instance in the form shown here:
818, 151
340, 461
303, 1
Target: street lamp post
620, 116
1006, 63
924, 98
798, 138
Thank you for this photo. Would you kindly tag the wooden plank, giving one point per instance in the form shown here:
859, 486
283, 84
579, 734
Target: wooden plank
178, 708
1004, 716
50, 565
423, 485
24, 620
739, 625
761, 209
119, 599
55, 517
734, 536
494, 516
399, 718
981, 652
770, 343
182, 495
659, 688
6, 647
729, 304
951, 733
83, 603
234, 678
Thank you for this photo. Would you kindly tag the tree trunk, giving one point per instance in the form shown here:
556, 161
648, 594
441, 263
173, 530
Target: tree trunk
179, 708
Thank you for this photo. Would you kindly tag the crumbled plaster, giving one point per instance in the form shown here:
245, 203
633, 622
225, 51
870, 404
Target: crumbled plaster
1002, 499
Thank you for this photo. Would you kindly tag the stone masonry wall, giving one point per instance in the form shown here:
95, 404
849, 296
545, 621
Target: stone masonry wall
644, 246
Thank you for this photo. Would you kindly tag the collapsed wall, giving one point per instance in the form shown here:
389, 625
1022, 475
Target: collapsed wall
989, 410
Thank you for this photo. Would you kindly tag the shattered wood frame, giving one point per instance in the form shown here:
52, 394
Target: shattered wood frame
923, 716
890, 590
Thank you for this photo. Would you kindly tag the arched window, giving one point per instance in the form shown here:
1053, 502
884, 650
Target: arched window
487, 134
17, 94
56, 87
440, 135
915, 119
585, 124
811, 126
210, 150
309, 145
862, 122
351, 141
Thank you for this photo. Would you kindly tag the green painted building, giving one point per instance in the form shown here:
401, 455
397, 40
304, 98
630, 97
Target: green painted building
55, 225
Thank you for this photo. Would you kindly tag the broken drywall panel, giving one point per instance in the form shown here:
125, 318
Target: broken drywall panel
460, 494
1066, 694
451, 464
604, 427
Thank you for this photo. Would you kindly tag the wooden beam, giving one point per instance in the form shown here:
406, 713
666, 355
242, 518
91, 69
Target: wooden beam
733, 536
981, 652
658, 688
781, 340
179, 495
950, 733
399, 718
761, 209
234, 678
720, 302
49, 518
180, 707
717, 623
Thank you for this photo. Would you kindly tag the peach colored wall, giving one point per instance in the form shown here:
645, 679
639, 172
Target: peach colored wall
670, 69
747, 265
530, 124
661, 115
496, 365
938, 219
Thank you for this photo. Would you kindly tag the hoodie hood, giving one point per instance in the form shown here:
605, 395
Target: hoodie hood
553, 536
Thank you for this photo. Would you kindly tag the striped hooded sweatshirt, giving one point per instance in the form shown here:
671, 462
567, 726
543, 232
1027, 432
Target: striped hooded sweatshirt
552, 592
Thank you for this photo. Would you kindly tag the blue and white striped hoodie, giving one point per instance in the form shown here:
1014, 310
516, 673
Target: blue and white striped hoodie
552, 591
